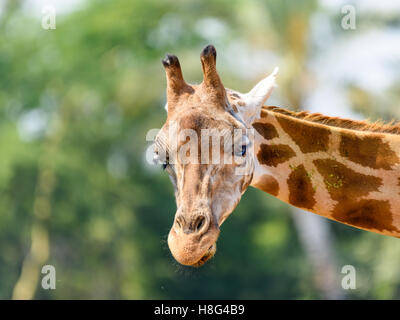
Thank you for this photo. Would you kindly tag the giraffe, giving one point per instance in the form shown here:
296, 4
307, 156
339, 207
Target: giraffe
344, 170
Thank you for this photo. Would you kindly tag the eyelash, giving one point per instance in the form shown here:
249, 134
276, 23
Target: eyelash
165, 164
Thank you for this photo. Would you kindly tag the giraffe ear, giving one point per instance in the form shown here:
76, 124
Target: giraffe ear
257, 96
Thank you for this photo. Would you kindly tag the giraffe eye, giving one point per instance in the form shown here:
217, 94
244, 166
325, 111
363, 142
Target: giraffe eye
240, 146
158, 160
244, 149
241, 150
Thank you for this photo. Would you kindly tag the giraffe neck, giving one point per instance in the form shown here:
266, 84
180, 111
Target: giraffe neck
350, 176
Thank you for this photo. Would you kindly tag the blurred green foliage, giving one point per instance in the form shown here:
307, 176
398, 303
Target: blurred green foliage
96, 83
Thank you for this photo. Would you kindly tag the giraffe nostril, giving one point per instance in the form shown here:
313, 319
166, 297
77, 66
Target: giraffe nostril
195, 225
180, 222
199, 223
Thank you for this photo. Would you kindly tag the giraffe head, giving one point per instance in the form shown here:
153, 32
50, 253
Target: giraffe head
205, 146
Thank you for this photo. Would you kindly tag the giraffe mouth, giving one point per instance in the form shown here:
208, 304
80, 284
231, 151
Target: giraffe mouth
207, 256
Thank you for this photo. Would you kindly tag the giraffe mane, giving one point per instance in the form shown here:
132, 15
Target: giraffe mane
379, 126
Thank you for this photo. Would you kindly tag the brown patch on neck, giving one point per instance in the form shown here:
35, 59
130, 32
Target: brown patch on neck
368, 151
366, 214
301, 189
267, 130
269, 184
272, 155
344, 184
346, 187
309, 138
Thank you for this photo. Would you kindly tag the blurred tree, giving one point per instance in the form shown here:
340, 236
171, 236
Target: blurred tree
75, 106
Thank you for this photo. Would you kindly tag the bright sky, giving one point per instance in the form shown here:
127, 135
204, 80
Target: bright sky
62, 6
364, 58
379, 7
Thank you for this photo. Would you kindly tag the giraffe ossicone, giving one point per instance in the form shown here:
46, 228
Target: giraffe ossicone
345, 170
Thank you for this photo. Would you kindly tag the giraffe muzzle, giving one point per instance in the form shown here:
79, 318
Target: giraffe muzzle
192, 241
